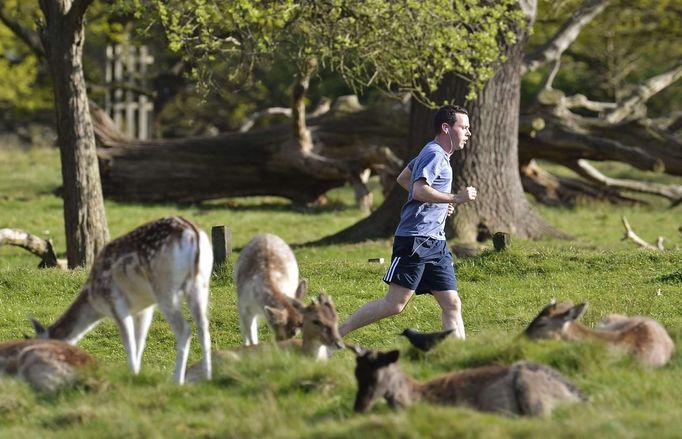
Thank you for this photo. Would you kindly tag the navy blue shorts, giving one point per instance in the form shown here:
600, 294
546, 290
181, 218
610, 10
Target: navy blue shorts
421, 264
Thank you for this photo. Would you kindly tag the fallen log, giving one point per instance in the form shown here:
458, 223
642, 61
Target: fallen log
38, 246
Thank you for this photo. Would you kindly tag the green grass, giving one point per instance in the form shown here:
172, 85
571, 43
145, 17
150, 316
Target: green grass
279, 394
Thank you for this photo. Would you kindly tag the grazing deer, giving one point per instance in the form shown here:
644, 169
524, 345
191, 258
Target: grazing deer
46, 365
319, 333
157, 263
523, 388
266, 274
643, 337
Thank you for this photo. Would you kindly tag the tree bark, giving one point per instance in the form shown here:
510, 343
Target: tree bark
85, 223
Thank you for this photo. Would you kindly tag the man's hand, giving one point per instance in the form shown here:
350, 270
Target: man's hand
466, 194
451, 208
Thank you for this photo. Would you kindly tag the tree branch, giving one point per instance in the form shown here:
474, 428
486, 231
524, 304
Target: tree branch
30, 38
630, 234
644, 92
671, 192
569, 31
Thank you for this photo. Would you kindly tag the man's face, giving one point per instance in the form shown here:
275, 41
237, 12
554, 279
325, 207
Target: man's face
460, 131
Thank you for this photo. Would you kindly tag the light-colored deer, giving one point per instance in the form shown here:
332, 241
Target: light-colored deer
157, 263
319, 334
643, 337
266, 274
47, 365
523, 388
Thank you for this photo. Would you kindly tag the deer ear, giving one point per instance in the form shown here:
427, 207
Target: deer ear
302, 289
41, 332
325, 299
577, 311
387, 358
357, 350
298, 305
274, 314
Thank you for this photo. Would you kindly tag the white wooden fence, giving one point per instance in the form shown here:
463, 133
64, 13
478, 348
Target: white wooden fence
127, 101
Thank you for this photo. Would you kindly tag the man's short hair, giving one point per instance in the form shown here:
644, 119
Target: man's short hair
446, 114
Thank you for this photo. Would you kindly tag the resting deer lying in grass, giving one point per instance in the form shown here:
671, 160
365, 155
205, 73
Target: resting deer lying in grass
523, 388
46, 365
643, 337
266, 274
319, 333
158, 263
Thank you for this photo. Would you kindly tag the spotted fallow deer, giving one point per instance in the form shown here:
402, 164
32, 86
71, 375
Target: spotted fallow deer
526, 389
266, 275
47, 365
320, 333
642, 337
157, 263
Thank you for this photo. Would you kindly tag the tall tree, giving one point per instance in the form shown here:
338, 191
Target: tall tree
62, 36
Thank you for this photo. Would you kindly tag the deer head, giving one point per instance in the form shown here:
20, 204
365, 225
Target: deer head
320, 323
373, 375
552, 320
287, 321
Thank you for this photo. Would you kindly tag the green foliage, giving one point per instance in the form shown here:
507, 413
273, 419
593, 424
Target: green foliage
280, 394
19, 67
398, 46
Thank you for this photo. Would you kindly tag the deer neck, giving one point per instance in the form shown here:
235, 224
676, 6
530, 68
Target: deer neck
78, 319
403, 389
578, 331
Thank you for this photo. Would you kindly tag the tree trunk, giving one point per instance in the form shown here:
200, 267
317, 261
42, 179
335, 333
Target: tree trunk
84, 217
490, 161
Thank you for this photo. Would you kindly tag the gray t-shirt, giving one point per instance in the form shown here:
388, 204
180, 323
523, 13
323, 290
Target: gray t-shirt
427, 219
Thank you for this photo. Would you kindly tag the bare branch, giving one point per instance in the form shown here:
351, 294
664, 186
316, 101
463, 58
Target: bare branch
30, 38
630, 234
322, 107
32, 243
564, 37
671, 192
644, 92
581, 101
251, 120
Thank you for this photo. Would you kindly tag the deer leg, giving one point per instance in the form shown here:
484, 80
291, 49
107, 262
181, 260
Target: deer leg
183, 334
142, 321
126, 325
249, 326
198, 305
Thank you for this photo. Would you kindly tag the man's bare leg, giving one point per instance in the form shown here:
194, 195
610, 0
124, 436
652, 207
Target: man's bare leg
392, 303
451, 307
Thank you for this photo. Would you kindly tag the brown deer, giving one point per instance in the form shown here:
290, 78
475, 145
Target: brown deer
47, 365
266, 274
158, 263
526, 389
643, 337
319, 333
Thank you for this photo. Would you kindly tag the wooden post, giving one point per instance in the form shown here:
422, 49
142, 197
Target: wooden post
221, 237
501, 241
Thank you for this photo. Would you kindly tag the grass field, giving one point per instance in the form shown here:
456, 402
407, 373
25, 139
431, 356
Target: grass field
280, 394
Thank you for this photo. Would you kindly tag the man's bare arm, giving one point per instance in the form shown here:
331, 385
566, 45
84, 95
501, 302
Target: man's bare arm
404, 179
421, 191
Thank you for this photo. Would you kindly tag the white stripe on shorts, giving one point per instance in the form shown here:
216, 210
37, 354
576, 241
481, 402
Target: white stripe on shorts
391, 269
